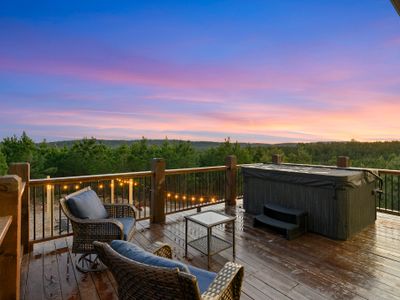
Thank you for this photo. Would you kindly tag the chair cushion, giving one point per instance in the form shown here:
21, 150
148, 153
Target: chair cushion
128, 224
204, 278
87, 205
138, 254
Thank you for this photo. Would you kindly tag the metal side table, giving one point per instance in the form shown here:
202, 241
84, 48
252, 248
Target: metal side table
210, 244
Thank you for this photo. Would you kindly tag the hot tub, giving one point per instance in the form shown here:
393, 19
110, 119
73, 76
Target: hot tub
340, 202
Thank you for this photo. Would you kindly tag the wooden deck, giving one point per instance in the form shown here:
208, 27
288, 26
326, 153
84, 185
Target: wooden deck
310, 267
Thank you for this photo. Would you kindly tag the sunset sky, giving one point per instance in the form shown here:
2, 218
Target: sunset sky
256, 71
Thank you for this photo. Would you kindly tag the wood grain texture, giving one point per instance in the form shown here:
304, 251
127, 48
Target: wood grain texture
5, 223
11, 189
366, 266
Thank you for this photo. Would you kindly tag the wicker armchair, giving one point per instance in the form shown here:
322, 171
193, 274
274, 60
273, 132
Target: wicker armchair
86, 231
140, 281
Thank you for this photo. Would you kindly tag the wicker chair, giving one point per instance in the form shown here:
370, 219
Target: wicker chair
86, 231
140, 281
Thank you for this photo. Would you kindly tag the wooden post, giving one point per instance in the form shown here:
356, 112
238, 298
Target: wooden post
157, 212
343, 162
230, 180
130, 195
11, 189
277, 159
112, 191
23, 170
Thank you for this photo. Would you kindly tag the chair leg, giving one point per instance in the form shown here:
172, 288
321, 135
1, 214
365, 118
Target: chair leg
90, 263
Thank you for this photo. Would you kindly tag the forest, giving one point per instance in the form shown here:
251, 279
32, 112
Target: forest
90, 156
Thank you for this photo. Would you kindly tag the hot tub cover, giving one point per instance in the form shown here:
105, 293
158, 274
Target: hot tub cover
323, 177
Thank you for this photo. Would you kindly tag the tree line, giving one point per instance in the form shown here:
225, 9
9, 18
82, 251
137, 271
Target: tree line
90, 156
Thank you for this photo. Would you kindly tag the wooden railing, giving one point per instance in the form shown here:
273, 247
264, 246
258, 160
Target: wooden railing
47, 218
389, 200
11, 247
194, 187
153, 193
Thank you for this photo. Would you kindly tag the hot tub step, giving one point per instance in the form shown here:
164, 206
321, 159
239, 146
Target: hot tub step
284, 214
290, 230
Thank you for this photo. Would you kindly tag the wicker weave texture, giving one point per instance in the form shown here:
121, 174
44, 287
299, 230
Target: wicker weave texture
139, 281
87, 231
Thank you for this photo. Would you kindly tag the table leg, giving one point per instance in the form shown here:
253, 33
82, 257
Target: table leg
233, 241
186, 236
208, 246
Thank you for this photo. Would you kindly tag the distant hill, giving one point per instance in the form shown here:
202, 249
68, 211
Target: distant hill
199, 145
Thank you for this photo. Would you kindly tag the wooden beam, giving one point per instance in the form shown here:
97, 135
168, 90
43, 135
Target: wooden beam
5, 223
157, 212
343, 162
277, 159
230, 180
11, 189
23, 170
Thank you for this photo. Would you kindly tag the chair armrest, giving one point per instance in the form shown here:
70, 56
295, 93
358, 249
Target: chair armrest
227, 284
160, 249
120, 210
103, 229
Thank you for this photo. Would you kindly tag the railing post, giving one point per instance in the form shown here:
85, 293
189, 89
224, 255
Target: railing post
230, 180
130, 194
112, 191
23, 170
157, 207
10, 250
343, 162
277, 159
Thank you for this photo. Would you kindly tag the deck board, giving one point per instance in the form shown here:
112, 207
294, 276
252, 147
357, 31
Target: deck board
310, 267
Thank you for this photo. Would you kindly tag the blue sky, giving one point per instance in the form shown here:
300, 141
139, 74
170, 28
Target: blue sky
256, 71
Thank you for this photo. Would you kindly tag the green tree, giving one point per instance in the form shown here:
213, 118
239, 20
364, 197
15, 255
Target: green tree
216, 156
18, 149
3, 164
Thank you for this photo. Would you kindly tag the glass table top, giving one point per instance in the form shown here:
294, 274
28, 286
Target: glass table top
210, 218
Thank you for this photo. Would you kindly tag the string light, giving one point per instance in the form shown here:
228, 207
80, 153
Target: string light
202, 199
101, 186
76, 187
65, 187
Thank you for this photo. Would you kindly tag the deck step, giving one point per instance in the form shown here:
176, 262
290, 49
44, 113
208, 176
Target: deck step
284, 214
290, 222
289, 230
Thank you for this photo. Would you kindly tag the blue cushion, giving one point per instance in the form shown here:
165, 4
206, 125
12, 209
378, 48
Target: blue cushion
87, 205
204, 278
128, 224
138, 254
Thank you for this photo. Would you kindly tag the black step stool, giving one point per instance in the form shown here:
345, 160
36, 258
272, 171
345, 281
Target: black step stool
288, 221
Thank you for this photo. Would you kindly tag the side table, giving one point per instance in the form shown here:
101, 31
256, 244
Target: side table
210, 244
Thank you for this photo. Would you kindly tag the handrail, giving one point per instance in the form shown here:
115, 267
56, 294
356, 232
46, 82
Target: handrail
88, 178
389, 171
194, 170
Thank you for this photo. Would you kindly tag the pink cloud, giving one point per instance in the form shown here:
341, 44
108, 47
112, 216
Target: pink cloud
278, 121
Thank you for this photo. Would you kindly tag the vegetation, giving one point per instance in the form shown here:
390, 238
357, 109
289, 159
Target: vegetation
91, 156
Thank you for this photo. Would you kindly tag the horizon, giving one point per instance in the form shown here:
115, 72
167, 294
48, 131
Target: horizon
204, 141
267, 72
